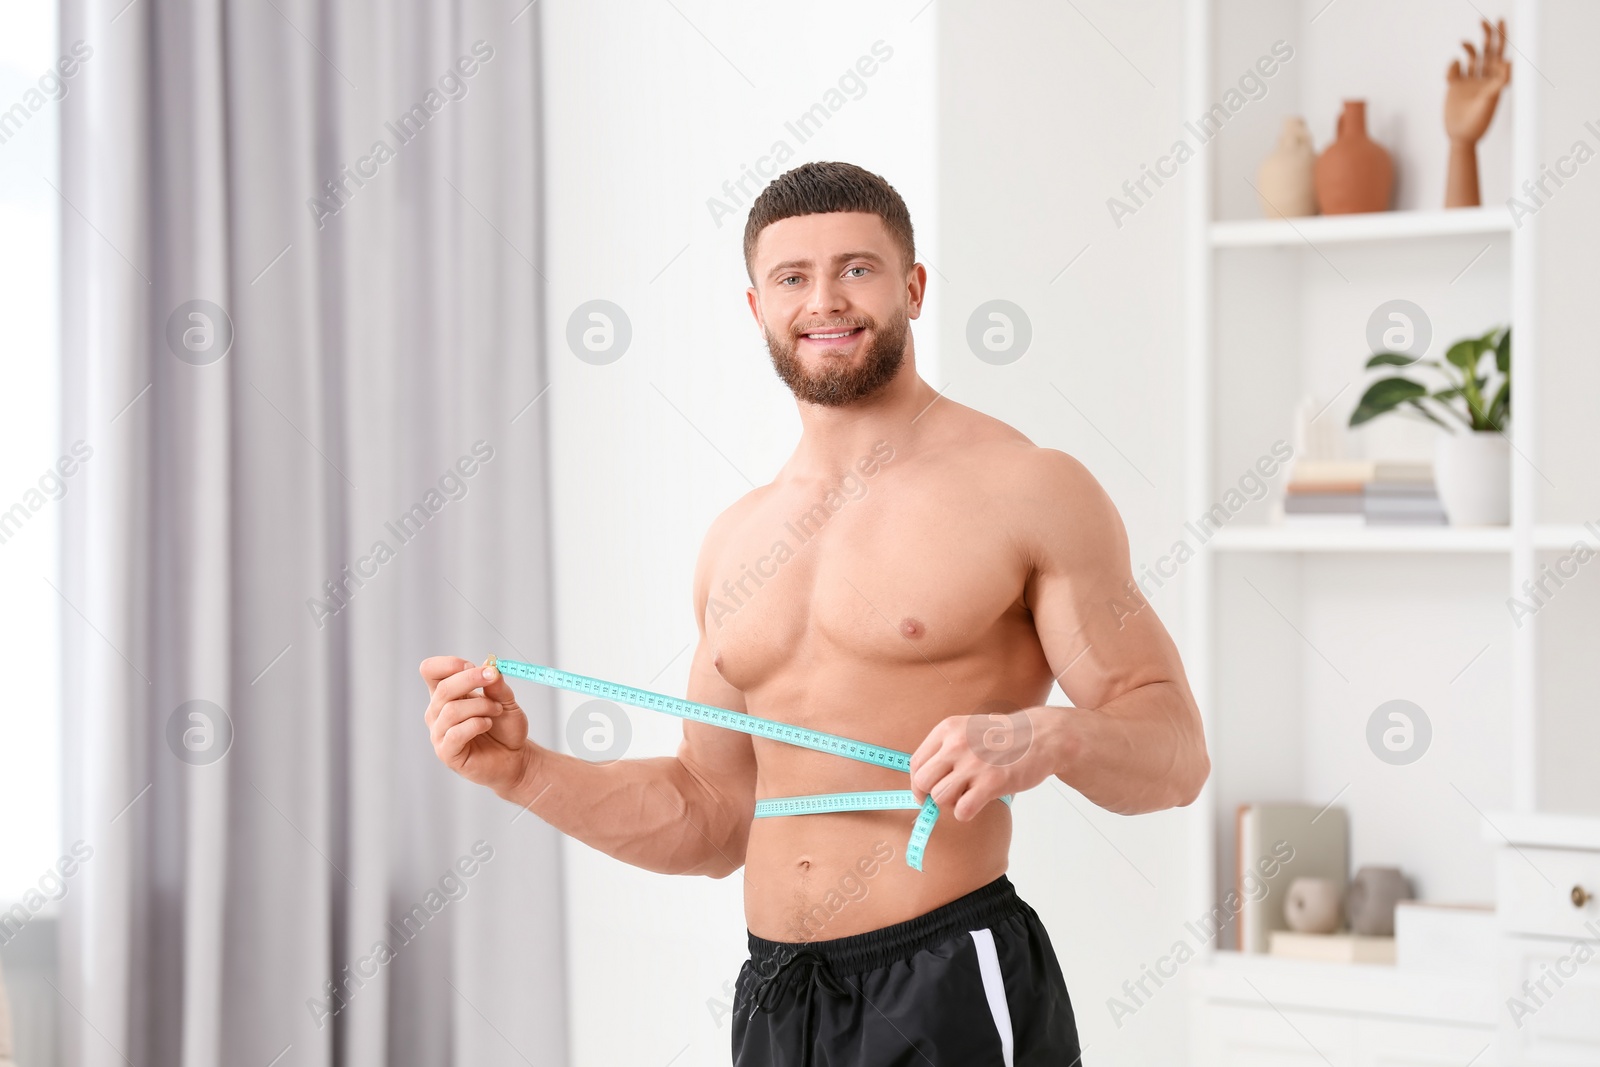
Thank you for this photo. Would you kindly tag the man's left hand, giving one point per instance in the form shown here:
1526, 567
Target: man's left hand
967, 761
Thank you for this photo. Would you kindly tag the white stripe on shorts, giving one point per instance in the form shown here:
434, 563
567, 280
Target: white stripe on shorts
994, 988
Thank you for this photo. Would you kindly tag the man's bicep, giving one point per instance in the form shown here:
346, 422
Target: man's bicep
1099, 633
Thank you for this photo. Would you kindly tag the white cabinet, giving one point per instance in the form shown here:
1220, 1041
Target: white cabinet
1256, 1009
1548, 892
1242, 1036
1237, 1035
1417, 1043
1536, 1005
1549, 919
1558, 1023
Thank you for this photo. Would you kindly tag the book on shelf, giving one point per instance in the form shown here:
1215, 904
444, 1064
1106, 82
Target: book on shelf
1361, 471
1277, 843
1332, 948
1404, 504
1323, 503
1401, 490
1324, 522
1435, 519
1362, 493
1334, 519
1296, 488
1310, 508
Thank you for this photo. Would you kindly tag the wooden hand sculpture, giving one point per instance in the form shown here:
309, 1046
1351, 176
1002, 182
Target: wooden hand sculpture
1468, 108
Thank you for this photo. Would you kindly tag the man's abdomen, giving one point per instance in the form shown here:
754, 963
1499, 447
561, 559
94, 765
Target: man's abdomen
815, 877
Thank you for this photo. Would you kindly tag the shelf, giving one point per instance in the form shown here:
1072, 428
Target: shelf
1361, 539
1370, 226
1540, 829
1562, 535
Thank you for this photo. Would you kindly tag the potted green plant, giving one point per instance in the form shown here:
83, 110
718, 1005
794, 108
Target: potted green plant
1472, 458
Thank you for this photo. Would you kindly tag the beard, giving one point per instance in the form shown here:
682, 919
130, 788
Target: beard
842, 381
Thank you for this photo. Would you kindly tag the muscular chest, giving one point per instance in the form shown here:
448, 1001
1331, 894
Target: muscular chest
898, 576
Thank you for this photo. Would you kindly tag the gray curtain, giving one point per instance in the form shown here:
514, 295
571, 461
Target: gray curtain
305, 368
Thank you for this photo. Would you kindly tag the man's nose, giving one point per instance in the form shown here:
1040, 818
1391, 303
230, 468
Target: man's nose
827, 297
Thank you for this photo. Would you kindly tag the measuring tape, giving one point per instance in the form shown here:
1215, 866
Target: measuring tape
884, 800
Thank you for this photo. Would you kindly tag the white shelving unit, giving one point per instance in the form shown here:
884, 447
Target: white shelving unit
1295, 634
1248, 275
1361, 539
1377, 226
1562, 536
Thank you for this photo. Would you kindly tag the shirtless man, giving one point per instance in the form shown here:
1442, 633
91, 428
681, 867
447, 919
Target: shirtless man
915, 576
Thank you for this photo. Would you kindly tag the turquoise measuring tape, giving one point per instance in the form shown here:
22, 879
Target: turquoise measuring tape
883, 800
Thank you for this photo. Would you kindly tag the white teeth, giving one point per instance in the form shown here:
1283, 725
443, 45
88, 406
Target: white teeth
830, 336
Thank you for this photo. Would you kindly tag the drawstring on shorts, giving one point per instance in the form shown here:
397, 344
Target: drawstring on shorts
808, 969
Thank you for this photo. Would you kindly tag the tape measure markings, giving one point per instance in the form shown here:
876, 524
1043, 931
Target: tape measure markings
884, 800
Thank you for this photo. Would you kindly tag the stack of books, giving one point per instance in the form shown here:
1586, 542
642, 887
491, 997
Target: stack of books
1362, 493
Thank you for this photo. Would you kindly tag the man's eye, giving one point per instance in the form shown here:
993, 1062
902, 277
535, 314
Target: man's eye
789, 278
856, 268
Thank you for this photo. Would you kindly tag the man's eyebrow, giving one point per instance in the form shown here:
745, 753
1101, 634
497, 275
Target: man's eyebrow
792, 264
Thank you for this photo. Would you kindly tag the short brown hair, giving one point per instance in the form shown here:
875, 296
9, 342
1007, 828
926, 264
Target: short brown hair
818, 188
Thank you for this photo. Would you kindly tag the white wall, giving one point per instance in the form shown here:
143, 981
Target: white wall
1045, 110
650, 109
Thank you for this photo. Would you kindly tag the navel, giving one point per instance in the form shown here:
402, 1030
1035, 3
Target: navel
911, 627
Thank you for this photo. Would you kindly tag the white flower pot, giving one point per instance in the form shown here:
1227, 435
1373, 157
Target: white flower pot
1473, 475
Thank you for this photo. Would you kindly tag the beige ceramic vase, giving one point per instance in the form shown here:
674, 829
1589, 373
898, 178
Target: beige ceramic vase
1284, 181
1354, 173
1313, 905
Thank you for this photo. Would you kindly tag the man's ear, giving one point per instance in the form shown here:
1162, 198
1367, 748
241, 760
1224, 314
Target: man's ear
916, 289
755, 305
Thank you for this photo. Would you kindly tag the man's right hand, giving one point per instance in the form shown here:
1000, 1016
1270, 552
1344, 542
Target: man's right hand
481, 735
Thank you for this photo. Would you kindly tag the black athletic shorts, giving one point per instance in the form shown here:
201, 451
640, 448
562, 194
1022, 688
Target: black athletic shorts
973, 983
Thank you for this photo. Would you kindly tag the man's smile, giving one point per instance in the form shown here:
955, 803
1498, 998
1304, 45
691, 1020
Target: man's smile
833, 338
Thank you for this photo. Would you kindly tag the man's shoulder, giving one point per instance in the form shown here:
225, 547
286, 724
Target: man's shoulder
1046, 498
1008, 459
1061, 512
1054, 472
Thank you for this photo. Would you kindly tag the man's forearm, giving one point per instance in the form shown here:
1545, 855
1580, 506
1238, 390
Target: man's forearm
651, 813
1138, 753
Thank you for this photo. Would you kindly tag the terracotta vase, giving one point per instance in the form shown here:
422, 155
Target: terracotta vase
1354, 173
1284, 181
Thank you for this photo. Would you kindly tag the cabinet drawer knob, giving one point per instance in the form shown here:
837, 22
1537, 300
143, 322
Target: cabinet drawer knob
1580, 896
